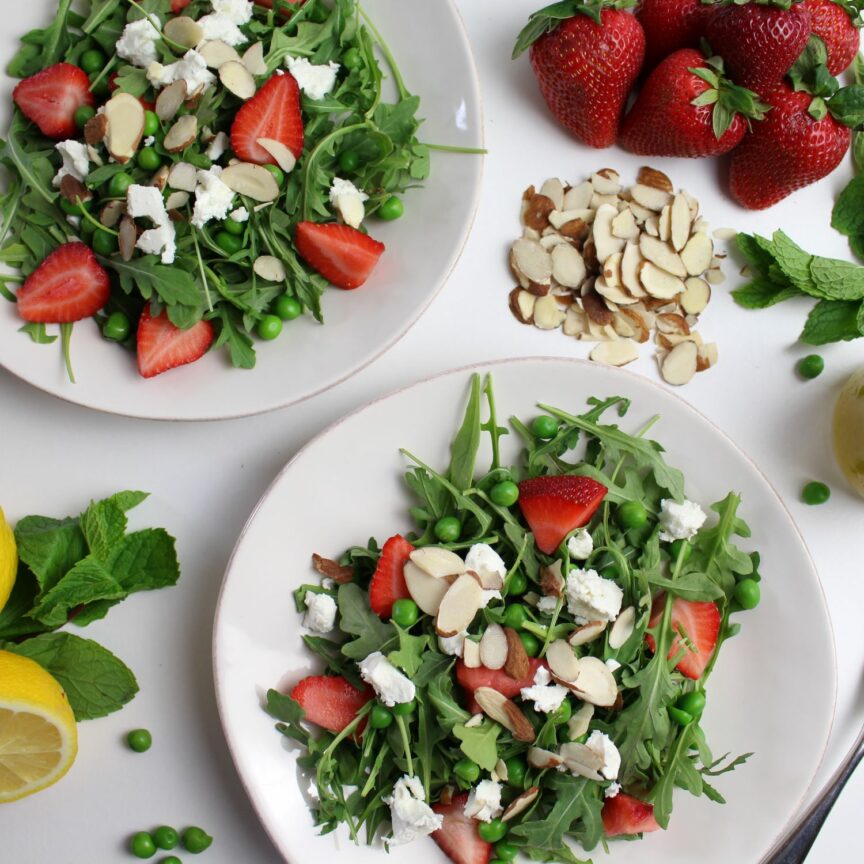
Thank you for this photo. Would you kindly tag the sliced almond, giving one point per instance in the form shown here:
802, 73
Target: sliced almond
531, 234
624, 326
493, 647
471, 654
612, 270
639, 323
237, 79
596, 310
216, 53
692, 204
563, 663
670, 322
618, 353
652, 226
531, 261
184, 31
489, 580
499, 708
548, 315
425, 590
679, 365
670, 340
680, 222
253, 181
177, 201
520, 804
606, 182
663, 255
598, 201
586, 633
160, 178
664, 224
127, 237
650, 197
579, 722
461, 602
605, 243
715, 276
339, 573
125, 115
182, 134
438, 561
74, 191
640, 214
575, 321
536, 210
184, 177
582, 760
725, 234
542, 759
501, 770
654, 178
697, 254
696, 296
578, 197
558, 218
568, 266
623, 628
707, 356
111, 213
624, 225
575, 230
517, 664
170, 100
553, 189
522, 305
551, 580
550, 241
253, 59
659, 283
631, 260
95, 130
269, 268
594, 682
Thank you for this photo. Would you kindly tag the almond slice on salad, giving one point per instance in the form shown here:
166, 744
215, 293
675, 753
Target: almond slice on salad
253, 181
283, 156
489, 581
269, 268
181, 135
438, 561
656, 179
582, 760
502, 710
474, 721
111, 213
73, 190
425, 590
696, 296
253, 59
680, 222
679, 365
586, 633
125, 116
563, 663
237, 79
697, 254
177, 200
551, 580
553, 189
594, 682
493, 647
160, 178
623, 628
471, 654
461, 602
579, 722
618, 353
520, 804
216, 53
540, 758
183, 177
501, 770
127, 237
517, 664
342, 574
170, 100
184, 31
95, 130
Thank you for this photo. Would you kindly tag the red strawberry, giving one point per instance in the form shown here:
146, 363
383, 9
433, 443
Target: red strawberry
50, 98
388, 582
269, 4
177, 6
457, 836
273, 112
586, 67
788, 150
470, 679
831, 22
162, 346
329, 701
67, 286
700, 622
341, 254
674, 117
670, 25
758, 43
554, 506
624, 814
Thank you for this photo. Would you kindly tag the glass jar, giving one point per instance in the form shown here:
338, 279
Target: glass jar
849, 431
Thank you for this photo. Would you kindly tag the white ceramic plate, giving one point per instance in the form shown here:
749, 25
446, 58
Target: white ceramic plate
422, 249
346, 486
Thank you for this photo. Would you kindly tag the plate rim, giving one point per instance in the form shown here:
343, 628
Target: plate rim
486, 366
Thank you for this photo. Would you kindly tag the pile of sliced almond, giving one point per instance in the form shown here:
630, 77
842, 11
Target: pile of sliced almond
611, 265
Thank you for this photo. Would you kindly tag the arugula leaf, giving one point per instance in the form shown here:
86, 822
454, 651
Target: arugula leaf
693, 586
409, 657
357, 619
37, 333
479, 743
289, 712
447, 709
713, 552
467, 442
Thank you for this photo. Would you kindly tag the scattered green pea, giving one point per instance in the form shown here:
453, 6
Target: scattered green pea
196, 840
693, 703
149, 159
562, 713
815, 493
682, 718
171, 859
492, 831
119, 185
544, 427
448, 529
403, 709
140, 740
405, 613
116, 329
505, 493
391, 209
269, 328
232, 227
142, 845
287, 307
93, 61
632, 514
83, 115
506, 851
151, 123
166, 837
517, 768
748, 593
230, 244
811, 366
467, 770
530, 643
352, 59
380, 717
104, 243
278, 173
349, 161
515, 616
517, 584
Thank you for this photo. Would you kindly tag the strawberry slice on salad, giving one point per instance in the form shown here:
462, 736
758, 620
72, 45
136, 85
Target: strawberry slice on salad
699, 622
162, 346
470, 679
341, 254
457, 836
177, 6
273, 112
625, 814
51, 97
554, 506
67, 286
329, 701
388, 582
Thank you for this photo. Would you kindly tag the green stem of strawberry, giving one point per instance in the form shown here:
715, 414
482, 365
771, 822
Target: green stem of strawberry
404, 93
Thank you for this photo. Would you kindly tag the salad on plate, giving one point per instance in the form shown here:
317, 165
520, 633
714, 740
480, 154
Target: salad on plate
525, 672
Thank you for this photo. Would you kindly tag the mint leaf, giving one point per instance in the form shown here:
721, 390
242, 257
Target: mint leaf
757, 252
145, 560
128, 499
837, 280
49, 547
103, 525
832, 321
762, 293
14, 620
847, 217
479, 743
96, 682
357, 619
794, 263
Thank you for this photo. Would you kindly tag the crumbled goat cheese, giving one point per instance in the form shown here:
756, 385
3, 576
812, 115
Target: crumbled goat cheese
213, 199
602, 745
241, 214
452, 645
150, 141
680, 521
146, 202
545, 695
192, 69
220, 27
613, 665
348, 200
312, 790
137, 44
218, 146
483, 560
580, 545
321, 612
547, 605
484, 801
315, 81
76, 161
239, 11
389, 683
612, 790
411, 816
590, 597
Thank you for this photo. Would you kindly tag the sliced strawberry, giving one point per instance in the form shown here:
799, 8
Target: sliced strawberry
268, 4
162, 346
388, 582
341, 254
329, 701
554, 506
470, 679
67, 286
51, 97
177, 6
700, 622
273, 112
457, 836
625, 814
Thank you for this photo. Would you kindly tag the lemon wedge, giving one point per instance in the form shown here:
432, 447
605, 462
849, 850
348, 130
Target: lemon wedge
38, 736
8, 559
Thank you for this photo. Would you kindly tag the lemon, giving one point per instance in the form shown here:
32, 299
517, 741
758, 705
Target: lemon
38, 736
8, 559
849, 431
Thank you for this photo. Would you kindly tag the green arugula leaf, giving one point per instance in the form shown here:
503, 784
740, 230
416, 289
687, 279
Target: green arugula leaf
467, 442
357, 619
289, 712
447, 709
692, 586
479, 743
37, 333
409, 657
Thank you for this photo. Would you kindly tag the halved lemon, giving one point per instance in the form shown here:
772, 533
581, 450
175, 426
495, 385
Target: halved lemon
38, 736
8, 559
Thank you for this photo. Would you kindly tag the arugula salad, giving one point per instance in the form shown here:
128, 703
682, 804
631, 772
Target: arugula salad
194, 173
525, 672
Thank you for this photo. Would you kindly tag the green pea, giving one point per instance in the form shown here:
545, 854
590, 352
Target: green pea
232, 227
515, 616
632, 514
229, 243
467, 770
448, 529
505, 493
83, 115
517, 768
352, 59
748, 593
506, 851
517, 584
682, 718
815, 493
269, 328
405, 613
675, 550
73, 209
492, 831
562, 713
391, 209
142, 845
287, 307
403, 709
349, 161
93, 61
380, 717
693, 703
151, 124
171, 859
196, 840
119, 185
166, 837
544, 426
149, 159
116, 329
811, 366
140, 740
104, 243
530, 643
278, 173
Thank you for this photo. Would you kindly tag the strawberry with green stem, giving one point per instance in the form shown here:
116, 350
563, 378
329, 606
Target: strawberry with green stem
670, 25
586, 57
837, 23
688, 108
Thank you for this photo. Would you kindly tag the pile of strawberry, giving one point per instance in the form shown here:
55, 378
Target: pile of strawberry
753, 78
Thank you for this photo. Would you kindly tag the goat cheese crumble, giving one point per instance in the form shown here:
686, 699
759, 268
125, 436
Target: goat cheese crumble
137, 43
241, 214
603, 746
213, 199
484, 801
348, 200
545, 695
391, 686
320, 612
580, 545
192, 69
315, 81
76, 161
452, 646
590, 597
680, 521
146, 202
411, 816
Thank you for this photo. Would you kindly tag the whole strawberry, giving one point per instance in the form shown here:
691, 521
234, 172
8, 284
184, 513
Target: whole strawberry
586, 57
687, 108
758, 41
670, 25
837, 25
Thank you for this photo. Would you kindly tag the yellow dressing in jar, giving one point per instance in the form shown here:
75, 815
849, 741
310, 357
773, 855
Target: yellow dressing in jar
849, 431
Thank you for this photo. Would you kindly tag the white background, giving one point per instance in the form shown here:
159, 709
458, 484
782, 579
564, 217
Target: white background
206, 478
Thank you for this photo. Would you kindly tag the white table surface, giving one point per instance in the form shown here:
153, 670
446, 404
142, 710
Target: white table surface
206, 478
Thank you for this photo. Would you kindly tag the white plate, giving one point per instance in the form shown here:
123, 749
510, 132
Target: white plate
346, 486
422, 248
